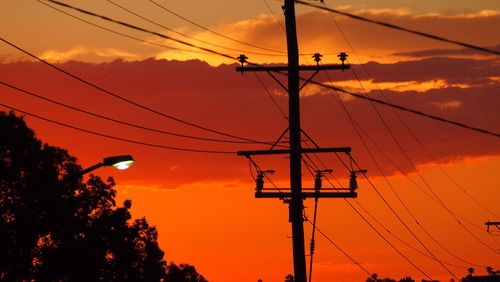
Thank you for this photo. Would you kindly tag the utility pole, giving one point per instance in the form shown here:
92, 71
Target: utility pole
296, 201
294, 196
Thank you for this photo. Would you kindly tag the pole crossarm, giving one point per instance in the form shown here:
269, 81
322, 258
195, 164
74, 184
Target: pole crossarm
304, 195
492, 223
286, 68
346, 150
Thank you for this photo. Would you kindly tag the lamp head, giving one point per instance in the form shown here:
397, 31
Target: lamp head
119, 162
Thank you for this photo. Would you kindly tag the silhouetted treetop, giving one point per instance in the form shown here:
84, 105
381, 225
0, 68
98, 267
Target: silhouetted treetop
54, 227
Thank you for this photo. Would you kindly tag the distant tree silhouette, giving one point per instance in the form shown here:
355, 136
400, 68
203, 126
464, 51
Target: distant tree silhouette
53, 227
406, 279
490, 271
470, 270
374, 278
183, 272
289, 278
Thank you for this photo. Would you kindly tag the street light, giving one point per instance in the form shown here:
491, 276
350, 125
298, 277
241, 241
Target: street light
119, 162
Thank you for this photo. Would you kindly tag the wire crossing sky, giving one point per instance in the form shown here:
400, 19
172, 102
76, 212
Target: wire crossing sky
313, 82
178, 58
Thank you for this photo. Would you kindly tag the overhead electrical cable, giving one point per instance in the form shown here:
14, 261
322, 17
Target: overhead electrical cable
410, 161
271, 96
282, 73
339, 248
406, 126
128, 100
114, 137
357, 129
414, 167
427, 35
118, 121
122, 34
400, 219
324, 235
212, 31
274, 15
385, 239
385, 228
185, 35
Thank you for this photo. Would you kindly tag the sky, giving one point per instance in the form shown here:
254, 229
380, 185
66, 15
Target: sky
438, 179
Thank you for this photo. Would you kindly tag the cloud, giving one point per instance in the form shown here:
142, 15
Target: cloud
222, 99
448, 52
319, 31
86, 54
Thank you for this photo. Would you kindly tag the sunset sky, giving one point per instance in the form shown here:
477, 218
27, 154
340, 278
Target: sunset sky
203, 203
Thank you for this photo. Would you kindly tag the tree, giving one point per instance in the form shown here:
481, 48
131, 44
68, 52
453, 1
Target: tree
470, 270
289, 278
55, 227
490, 271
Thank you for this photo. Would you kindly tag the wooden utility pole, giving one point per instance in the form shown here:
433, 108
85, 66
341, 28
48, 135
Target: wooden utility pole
294, 196
296, 201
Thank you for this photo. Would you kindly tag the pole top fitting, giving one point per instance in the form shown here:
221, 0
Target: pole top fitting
242, 59
317, 57
343, 57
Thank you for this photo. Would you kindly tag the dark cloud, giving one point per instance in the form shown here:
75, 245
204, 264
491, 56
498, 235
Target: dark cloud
222, 99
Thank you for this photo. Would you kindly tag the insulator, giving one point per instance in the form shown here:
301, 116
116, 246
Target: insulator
259, 181
353, 184
312, 246
318, 182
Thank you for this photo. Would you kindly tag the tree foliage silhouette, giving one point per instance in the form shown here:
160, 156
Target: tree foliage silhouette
54, 227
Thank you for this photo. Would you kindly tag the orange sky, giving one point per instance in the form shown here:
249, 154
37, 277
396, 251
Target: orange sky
203, 204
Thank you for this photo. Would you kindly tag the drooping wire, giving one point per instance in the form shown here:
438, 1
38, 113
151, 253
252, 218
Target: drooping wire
427, 35
398, 217
405, 243
271, 96
405, 123
185, 35
339, 248
118, 121
385, 239
212, 31
122, 34
126, 99
114, 137
283, 73
274, 15
355, 127
426, 183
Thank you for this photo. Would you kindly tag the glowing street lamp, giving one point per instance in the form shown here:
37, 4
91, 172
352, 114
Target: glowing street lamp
119, 162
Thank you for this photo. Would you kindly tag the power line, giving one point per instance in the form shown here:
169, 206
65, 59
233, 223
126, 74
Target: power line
114, 137
185, 35
403, 122
115, 120
282, 73
122, 34
274, 15
210, 30
355, 127
271, 96
128, 100
399, 218
405, 154
431, 36
339, 248
385, 228
382, 236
